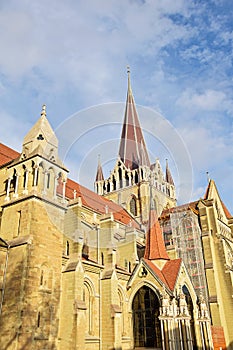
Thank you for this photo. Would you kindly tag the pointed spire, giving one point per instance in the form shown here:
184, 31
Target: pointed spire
41, 136
132, 144
169, 178
99, 173
155, 247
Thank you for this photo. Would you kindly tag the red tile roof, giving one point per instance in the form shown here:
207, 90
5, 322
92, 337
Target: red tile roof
7, 154
89, 198
169, 273
97, 203
155, 247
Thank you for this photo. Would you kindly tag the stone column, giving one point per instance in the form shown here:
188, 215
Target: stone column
44, 182
55, 187
35, 175
162, 333
63, 190
8, 189
180, 334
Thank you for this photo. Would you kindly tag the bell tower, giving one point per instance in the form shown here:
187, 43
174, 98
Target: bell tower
129, 181
33, 207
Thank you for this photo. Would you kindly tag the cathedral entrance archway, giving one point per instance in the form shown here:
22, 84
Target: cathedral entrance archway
146, 324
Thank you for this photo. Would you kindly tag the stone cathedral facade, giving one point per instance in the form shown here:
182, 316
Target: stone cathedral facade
85, 270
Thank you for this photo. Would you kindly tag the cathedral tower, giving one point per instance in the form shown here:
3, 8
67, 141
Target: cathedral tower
129, 181
32, 222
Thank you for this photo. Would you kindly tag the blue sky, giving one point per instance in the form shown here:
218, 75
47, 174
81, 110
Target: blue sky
72, 55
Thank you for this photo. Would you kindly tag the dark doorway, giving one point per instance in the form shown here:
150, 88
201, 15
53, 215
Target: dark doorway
146, 325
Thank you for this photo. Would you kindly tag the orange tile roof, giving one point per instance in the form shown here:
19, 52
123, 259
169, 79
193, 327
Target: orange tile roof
97, 203
168, 275
156, 270
7, 154
170, 271
89, 198
155, 247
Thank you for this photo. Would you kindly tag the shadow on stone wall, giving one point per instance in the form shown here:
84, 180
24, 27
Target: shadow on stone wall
29, 317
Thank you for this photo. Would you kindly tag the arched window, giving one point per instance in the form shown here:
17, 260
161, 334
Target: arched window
42, 277
133, 206
25, 174
38, 320
46, 277
43, 322
114, 183
102, 258
141, 174
48, 179
88, 298
67, 248
120, 177
127, 179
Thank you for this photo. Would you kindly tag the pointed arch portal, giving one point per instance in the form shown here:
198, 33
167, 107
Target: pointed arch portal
146, 324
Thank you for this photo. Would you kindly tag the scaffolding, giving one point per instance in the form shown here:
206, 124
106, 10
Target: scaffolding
183, 233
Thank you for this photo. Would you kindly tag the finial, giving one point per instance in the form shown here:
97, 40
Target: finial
129, 84
43, 112
208, 177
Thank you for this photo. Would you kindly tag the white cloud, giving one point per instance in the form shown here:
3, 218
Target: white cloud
72, 55
12, 131
209, 100
70, 42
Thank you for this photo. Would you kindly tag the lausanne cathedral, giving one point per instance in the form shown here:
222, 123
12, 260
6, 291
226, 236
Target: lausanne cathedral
120, 268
